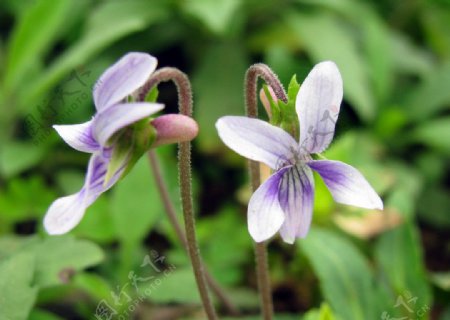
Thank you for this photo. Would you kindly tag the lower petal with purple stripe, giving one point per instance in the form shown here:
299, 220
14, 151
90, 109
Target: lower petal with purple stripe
296, 198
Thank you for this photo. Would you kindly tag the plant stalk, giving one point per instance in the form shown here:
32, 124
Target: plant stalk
251, 103
183, 86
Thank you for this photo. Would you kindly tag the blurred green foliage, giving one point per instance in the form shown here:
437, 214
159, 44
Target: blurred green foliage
394, 126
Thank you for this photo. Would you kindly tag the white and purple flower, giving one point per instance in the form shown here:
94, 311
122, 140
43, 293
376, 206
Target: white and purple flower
284, 202
113, 136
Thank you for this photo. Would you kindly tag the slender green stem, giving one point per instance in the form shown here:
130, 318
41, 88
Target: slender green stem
184, 170
251, 103
171, 213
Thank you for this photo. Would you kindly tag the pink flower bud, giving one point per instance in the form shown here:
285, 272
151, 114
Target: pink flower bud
173, 128
265, 101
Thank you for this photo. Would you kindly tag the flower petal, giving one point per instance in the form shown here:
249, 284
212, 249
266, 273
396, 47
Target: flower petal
257, 140
65, 213
78, 136
296, 198
346, 184
118, 116
265, 215
123, 78
318, 103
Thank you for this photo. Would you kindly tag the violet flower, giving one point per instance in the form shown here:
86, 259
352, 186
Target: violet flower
284, 202
118, 134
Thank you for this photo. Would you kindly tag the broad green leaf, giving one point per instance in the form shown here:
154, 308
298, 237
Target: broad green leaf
216, 15
430, 96
97, 224
434, 133
18, 292
407, 57
17, 157
24, 198
346, 280
59, 258
135, 204
111, 21
325, 37
405, 191
225, 255
33, 36
219, 82
174, 286
400, 256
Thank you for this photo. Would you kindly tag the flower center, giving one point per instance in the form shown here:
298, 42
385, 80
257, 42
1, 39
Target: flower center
295, 157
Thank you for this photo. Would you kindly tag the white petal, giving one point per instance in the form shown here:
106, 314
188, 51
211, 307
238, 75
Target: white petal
64, 214
123, 78
346, 184
78, 136
297, 200
257, 140
116, 117
318, 103
265, 215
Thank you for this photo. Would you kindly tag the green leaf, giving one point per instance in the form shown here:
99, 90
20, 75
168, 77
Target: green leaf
399, 254
17, 157
325, 37
97, 225
176, 285
345, 277
220, 90
430, 96
216, 15
434, 133
33, 36
58, 258
16, 285
111, 21
135, 204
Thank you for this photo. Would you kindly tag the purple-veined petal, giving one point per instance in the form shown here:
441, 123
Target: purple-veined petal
78, 136
257, 140
123, 78
265, 215
65, 213
317, 105
116, 117
296, 198
346, 184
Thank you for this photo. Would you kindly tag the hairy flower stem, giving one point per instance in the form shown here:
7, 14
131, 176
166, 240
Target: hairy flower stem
183, 86
251, 85
171, 213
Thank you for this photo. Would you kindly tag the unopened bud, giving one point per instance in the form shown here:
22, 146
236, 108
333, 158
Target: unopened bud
265, 100
174, 128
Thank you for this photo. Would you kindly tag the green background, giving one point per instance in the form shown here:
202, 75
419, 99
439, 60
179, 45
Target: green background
394, 126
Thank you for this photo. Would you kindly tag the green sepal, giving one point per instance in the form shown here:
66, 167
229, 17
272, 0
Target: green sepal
131, 143
152, 95
289, 119
275, 119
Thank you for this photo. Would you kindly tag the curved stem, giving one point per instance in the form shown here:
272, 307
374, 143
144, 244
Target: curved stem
184, 174
171, 213
251, 103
